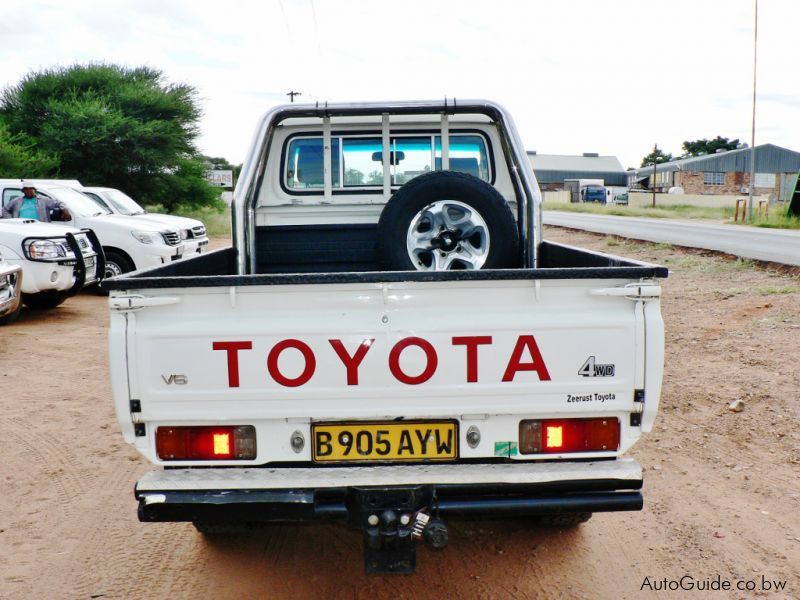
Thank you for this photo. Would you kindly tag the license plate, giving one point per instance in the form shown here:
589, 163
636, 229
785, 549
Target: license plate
385, 441
91, 269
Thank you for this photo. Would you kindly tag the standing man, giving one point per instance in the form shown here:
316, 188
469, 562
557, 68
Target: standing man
32, 206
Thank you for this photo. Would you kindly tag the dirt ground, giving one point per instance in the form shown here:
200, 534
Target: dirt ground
722, 489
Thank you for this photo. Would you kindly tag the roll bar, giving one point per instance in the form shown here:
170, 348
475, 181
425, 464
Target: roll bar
245, 194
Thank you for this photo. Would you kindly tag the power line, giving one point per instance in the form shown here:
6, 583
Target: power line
753, 129
322, 71
285, 20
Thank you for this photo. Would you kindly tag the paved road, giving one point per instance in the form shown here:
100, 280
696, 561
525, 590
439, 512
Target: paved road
774, 245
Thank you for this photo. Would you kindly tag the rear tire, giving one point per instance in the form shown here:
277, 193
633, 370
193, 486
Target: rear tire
116, 264
44, 300
12, 316
565, 520
222, 529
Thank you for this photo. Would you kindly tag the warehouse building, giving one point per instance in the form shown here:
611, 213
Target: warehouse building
552, 169
726, 173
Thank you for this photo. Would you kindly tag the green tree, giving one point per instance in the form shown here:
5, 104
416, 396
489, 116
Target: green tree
353, 177
657, 156
114, 126
19, 158
704, 146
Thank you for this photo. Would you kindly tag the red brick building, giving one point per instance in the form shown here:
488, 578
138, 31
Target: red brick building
726, 173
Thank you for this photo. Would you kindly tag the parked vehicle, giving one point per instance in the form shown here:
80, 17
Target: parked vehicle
56, 261
10, 291
586, 190
193, 232
129, 243
390, 342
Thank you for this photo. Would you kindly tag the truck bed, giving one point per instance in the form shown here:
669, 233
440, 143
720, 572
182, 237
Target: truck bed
218, 268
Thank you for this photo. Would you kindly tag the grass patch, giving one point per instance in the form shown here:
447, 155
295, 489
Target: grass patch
779, 218
217, 222
216, 219
708, 264
680, 211
770, 290
774, 290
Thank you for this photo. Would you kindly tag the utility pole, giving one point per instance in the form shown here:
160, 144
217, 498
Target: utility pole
292, 94
753, 128
655, 154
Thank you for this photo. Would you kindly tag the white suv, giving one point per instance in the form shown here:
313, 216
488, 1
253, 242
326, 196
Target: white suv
129, 243
56, 261
193, 232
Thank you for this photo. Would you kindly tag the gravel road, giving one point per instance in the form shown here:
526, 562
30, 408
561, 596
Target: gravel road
721, 488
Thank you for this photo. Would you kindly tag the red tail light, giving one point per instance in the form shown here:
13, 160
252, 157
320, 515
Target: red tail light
214, 442
558, 436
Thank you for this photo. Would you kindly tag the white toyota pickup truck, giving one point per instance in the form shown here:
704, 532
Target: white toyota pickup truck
389, 343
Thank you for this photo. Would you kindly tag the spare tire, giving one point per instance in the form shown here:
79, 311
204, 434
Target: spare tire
446, 220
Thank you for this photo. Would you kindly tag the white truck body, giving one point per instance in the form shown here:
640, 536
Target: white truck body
298, 341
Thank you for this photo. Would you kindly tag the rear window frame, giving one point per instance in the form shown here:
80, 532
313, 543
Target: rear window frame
370, 189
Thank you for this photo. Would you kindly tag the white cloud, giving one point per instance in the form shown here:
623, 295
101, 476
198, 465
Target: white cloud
611, 77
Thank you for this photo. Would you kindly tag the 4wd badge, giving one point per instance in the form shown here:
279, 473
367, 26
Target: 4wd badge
591, 369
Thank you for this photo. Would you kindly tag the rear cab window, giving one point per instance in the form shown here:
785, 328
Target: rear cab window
357, 160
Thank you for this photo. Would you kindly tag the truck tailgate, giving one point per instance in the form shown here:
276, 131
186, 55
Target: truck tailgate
493, 352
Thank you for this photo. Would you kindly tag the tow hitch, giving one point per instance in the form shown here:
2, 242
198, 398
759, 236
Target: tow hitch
393, 520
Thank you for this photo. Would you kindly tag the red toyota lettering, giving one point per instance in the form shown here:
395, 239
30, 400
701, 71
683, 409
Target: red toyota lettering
472, 342
430, 356
515, 363
308, 356
232, 348
351, 363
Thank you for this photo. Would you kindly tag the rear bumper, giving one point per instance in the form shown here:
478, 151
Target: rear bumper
343, 493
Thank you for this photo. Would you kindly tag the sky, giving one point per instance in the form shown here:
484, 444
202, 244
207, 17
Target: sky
607, 76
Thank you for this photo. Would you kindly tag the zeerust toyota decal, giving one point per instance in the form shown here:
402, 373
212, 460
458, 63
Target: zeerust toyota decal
525, 356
